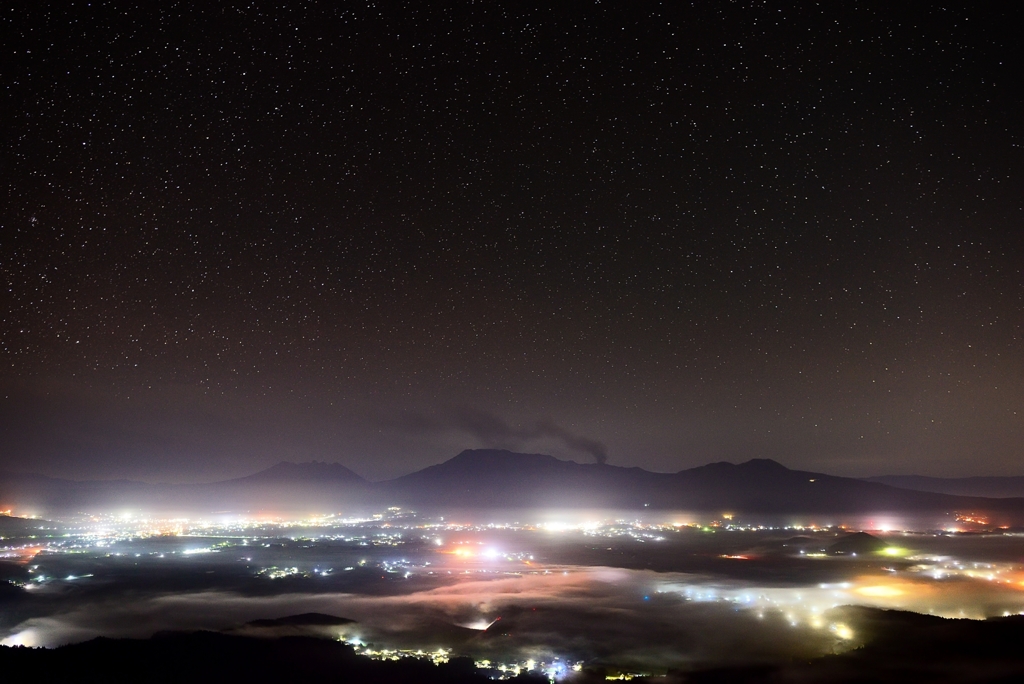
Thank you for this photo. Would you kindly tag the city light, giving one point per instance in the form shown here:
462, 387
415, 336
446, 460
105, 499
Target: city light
305, 556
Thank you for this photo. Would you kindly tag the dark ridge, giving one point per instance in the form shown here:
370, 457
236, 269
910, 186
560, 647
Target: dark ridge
801, 542
754, 465
896, 646
307, 487
211, 657
991, 487
492, 478
498, 478
858, 542
501, 457
303, 620
763, 464
312, 470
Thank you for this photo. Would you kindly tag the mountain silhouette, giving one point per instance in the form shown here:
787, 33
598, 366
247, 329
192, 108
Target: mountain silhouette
504, 479
301, 487
495, 478
994, 487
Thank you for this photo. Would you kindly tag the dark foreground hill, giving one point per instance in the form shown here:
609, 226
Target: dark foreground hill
497, 479
900, 648
221, 658
894, 647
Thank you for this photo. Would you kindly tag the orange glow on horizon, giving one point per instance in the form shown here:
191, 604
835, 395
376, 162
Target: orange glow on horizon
25, 556
461, 550
885, 587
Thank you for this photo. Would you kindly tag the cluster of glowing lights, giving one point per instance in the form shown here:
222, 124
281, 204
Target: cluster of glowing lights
464, 552
915, 589
914, 582
438, 656
21, 554
940, 567
275, 572
554, 670
972, 519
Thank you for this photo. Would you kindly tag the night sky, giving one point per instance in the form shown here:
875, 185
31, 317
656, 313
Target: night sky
235, 234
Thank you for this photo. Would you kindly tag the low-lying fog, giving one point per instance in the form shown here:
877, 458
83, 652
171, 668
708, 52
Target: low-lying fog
668, 591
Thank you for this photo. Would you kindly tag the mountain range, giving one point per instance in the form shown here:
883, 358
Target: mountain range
994, 487
498, 479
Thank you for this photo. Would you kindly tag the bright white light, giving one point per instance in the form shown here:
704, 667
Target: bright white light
879, 591
25, 638
480, 625
842, 631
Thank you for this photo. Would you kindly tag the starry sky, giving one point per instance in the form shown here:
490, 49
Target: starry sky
378, 233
